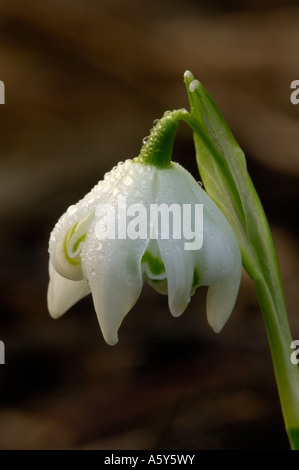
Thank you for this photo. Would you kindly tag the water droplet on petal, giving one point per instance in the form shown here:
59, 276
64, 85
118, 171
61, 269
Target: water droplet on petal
128, 180
140, 169
115, 192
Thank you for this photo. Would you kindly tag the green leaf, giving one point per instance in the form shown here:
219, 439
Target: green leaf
241, 205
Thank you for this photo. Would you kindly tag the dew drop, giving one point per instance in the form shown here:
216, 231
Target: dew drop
140, 169
156, 121
128, 180
145, 139
114, 192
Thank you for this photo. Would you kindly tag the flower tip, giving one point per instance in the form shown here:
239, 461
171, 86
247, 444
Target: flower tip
189, 75
221, 300
111, 340
176, 309
217, 328
53, 313
194, 85
53, 307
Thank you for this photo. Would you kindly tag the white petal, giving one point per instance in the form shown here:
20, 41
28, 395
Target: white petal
219, 253
221, 299
180, 272
65, 255
113, 266
74, 223
115, 280
63, 293
201, 197
219, 261
179, 263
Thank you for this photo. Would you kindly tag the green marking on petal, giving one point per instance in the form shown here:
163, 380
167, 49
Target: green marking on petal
77, 243
155, 265
196, 278
66, 242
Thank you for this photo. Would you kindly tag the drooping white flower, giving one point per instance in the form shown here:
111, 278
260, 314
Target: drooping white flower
114, 269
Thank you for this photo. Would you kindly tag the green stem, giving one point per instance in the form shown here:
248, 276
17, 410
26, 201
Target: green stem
157, 147
286, 373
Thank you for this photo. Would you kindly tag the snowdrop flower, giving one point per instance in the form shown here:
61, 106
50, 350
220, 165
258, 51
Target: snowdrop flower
89, 254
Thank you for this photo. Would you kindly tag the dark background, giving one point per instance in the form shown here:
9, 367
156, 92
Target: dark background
84, 81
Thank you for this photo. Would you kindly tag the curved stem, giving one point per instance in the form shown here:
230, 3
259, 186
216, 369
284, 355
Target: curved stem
286, 373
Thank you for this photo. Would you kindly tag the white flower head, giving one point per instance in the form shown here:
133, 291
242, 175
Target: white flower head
92, 249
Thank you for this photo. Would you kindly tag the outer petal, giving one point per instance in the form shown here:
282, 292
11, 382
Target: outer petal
75, 222
179, 263
221, 299
219, 261
113, 266
63, 293
223, 267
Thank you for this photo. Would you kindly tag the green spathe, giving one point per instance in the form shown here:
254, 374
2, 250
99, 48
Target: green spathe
222, 167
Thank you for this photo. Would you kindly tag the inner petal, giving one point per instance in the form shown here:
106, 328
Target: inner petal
66, 256
153, 269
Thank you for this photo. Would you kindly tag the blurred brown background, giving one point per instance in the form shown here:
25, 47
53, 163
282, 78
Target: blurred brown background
84, 81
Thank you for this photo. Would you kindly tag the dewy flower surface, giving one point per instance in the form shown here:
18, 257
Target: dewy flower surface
114, 270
